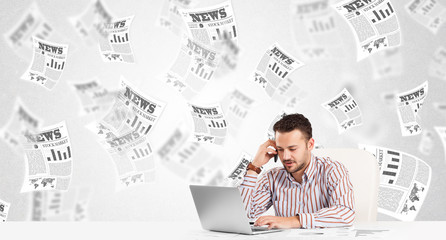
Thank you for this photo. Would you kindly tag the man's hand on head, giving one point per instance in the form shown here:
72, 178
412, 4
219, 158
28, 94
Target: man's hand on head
278, 222
264, 153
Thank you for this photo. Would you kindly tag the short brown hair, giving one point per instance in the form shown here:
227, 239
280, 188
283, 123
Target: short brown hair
294, 121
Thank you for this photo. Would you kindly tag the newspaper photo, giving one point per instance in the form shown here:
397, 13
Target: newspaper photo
437, 66
236, 177
314, 29
193, 69
131, 154
132, 111
4, 209
32, 23
211, 24
21, 121
90, 23
374, 23
94, 98
49, 159
274, 66
404, 182
237, 106
426, 144
47, 64
210, 124
409, 103
116, 46
387, 64
345, 110
429, 13
171, 19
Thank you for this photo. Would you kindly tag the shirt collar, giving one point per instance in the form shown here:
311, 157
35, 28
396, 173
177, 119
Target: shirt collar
309, 171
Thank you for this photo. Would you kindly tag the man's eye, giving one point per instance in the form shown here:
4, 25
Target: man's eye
280, 150
292, 149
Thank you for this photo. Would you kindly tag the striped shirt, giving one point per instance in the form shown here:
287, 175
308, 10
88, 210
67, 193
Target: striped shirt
324, 199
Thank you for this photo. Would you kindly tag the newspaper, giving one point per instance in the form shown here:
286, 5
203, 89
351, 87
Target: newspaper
187, 159
90, 23
289, 94
47, 64
4, 209
80, 211
426, 144
229, 57
374, 23
131, 154
45, 205
270, 132
210, 125
21, 120
409, 104
235, 178
429, 13
440, 107
389, 98
211, 24
345, 110
387, 64
441, 131
404, 182
93, 96
237, 106
208, 173
275, 65
132, 111
194, 67
32, 23
49, 159
115, 47
314, 29
437, 66
170, 18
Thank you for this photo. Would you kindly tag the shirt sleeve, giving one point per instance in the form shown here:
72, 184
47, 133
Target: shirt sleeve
256, 195
341, 209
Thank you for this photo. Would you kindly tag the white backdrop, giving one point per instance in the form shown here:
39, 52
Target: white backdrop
260, 24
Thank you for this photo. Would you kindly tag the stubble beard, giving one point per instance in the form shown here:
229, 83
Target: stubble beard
300, 167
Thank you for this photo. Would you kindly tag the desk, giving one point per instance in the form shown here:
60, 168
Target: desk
193, 230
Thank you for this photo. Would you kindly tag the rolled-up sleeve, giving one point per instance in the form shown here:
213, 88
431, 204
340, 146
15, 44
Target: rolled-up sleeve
256, 195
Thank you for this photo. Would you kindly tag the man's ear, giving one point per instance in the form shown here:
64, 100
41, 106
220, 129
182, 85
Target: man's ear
310, 144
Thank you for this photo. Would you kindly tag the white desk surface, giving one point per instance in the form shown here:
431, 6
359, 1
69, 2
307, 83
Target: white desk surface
192, 230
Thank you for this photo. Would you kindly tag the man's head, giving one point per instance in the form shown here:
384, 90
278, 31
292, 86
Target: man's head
294, 141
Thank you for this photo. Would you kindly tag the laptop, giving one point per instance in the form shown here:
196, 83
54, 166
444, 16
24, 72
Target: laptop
221, 209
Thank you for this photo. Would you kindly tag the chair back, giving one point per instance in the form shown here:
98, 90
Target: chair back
364, 175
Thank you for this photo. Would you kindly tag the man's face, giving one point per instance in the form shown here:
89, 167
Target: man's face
294, 150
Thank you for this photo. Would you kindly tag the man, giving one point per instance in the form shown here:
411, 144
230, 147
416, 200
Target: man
308, 192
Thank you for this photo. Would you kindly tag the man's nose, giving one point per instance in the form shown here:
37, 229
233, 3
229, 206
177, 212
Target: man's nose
286, 155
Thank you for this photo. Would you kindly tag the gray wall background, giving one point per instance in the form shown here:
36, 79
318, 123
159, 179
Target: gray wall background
260, 24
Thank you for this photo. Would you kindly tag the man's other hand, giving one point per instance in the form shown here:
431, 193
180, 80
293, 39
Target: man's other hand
278, 222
